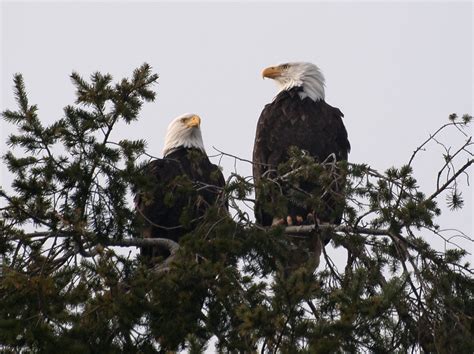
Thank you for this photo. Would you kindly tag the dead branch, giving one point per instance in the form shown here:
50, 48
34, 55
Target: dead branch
449, 181
170, 245
431, 137
308, 229
450, 157
222, 153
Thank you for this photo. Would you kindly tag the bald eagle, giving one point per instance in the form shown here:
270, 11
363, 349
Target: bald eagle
298, 116
184, 184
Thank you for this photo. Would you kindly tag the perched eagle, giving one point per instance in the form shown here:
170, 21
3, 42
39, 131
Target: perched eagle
298, 116
184, 183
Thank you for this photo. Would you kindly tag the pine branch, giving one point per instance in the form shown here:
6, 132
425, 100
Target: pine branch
20, 93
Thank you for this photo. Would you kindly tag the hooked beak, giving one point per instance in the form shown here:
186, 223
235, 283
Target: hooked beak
194, 121
271, 72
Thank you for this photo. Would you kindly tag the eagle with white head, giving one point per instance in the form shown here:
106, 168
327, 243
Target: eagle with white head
298, 116
183, 182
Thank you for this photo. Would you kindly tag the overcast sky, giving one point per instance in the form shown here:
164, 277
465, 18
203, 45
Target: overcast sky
396, 70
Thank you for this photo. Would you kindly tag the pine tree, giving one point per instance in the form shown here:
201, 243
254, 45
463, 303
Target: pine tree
65, 284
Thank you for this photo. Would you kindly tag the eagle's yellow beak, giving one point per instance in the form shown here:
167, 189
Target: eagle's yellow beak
271, 72
194, 121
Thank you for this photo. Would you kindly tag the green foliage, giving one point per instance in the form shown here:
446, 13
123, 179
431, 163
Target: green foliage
81, 185
64, 287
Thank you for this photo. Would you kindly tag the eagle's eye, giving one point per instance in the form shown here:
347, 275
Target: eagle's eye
183, 120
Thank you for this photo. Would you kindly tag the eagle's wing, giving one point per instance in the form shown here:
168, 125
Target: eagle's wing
173, 186
289, 121
149, 202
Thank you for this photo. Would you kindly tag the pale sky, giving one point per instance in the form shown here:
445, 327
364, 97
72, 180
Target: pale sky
396, 70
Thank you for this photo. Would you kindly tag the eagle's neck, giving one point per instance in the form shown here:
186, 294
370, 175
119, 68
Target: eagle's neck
313, 89
310, 82
189, 139
181, 152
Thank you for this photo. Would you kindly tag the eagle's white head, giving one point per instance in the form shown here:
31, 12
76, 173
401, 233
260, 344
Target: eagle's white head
184, 131
305, 75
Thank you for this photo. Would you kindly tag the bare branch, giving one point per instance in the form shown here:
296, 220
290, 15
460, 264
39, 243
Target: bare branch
171, 245
237, 158
308, 229
449, 181
431, 136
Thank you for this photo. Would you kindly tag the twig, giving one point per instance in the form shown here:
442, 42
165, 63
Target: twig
449, 181
450, 158
431, 136
239, 158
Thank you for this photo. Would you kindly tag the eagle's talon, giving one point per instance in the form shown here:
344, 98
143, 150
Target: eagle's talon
278, 221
